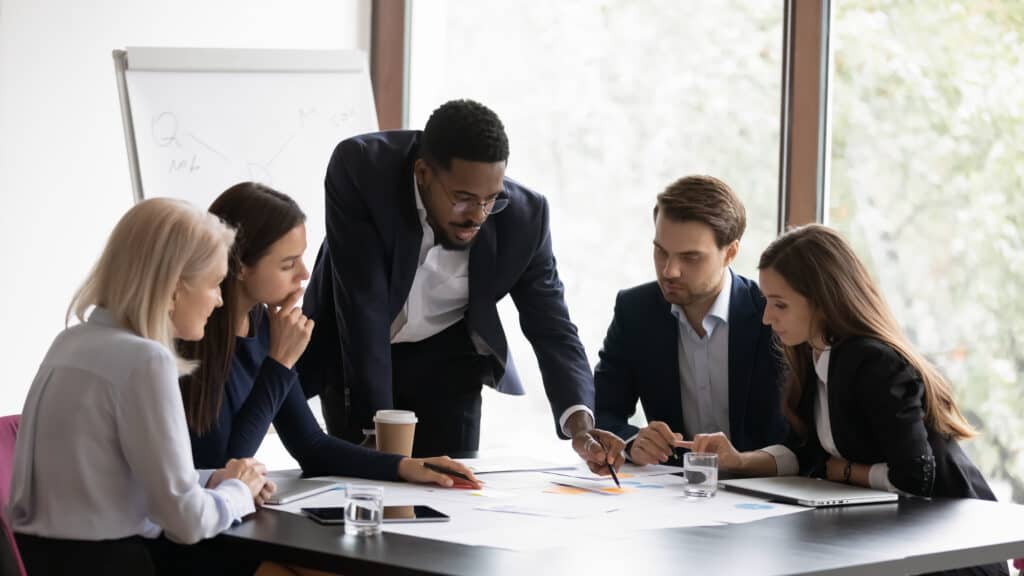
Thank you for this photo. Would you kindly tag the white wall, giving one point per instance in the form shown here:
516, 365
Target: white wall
63, 167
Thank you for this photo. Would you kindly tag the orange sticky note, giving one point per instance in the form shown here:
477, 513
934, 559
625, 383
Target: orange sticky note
564, 490
614, 490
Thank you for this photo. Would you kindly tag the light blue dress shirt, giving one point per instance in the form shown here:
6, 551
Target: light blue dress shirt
704, 366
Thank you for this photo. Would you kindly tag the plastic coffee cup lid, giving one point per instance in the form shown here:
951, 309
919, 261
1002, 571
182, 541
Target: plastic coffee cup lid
395, 417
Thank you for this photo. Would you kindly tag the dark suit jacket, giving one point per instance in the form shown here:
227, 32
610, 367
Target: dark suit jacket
640, 359
365, 269
876, 408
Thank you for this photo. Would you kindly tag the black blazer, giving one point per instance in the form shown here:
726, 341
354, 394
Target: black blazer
365, 269
640, 359
876, 408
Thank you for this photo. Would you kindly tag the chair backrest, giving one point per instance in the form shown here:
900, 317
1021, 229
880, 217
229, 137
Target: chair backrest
10, 560
8, 435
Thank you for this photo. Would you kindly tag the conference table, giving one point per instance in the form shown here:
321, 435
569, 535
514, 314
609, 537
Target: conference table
912, 536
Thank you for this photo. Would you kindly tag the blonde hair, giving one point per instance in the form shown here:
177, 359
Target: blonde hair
818, 263
157, 244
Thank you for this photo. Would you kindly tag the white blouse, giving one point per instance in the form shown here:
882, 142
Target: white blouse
103, 449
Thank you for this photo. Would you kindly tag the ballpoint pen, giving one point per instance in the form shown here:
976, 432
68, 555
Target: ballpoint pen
610, 467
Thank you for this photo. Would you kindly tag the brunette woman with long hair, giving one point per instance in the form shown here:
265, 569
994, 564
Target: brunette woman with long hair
864, 407
246, 378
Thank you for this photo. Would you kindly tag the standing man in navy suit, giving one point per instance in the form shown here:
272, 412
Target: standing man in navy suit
424, 236
691, 346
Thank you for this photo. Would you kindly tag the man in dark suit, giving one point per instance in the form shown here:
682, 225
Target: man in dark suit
424, 236
691, 346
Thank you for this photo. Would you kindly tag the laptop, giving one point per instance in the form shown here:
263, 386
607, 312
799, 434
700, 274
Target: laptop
805, 491
292, 489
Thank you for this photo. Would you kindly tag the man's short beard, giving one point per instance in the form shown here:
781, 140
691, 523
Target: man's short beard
690, 298
441, 237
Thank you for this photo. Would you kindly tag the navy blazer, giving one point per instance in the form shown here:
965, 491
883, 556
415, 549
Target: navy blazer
640, 360
365, 269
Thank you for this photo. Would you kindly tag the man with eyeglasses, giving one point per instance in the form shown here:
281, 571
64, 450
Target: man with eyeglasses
425, 235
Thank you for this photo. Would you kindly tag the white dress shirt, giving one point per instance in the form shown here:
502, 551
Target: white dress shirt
785, 459
439, 296
704, 366
103, 449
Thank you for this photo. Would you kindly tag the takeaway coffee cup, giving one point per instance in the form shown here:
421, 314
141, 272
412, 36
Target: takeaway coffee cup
395, 431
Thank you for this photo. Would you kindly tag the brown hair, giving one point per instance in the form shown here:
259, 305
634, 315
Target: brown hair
818, 264
262, 216
708, 200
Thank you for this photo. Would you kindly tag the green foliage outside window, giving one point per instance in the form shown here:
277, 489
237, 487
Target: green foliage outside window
927, 181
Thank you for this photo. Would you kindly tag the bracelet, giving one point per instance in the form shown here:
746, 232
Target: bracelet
846, 471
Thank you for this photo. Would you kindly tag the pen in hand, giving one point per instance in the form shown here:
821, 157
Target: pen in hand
610, 467
450, 472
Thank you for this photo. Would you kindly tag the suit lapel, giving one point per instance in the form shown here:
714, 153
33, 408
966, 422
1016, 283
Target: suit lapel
744, 325
407, 239
838, 396
665, 343
482, 316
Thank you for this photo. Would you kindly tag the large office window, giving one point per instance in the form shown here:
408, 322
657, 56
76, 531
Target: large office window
928, 183
605, 104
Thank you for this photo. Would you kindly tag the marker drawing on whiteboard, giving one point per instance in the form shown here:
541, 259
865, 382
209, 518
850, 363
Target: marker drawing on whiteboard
341, 118
202, 143
186, 166
165, 130
281, 149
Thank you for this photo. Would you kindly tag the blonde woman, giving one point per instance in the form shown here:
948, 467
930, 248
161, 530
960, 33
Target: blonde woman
103, 465
863, 406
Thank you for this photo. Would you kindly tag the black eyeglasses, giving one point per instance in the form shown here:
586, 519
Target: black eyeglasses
464, 203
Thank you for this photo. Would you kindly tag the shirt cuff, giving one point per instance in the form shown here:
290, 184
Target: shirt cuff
625, 452
204, 477
569, 412
878, 477
786, 463
234, 499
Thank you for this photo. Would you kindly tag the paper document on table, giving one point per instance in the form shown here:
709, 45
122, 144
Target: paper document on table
627, 471
528, 511
567, 512
595, 486
512, 464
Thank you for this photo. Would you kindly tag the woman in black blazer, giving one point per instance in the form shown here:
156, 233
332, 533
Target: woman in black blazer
863, 406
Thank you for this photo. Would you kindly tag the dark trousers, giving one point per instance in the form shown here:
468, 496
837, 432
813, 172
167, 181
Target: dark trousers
440, 379
57, 556
135, 555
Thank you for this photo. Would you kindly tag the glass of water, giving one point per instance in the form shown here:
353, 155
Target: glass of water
701, 472
363, 509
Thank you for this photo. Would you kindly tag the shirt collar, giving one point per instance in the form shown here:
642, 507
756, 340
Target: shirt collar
101, 316
719, 308
428, 232
419, 201
821, 364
